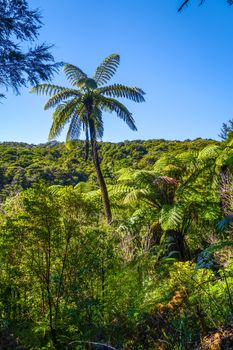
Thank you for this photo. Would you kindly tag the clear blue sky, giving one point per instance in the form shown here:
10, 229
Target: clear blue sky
184, 62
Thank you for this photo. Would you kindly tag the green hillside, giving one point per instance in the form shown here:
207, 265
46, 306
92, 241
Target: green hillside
22, 165
158, 277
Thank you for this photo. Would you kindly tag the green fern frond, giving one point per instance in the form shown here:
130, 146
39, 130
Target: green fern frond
112, 105
209, 152
61, 96
58, 190
171, 167
230, 143
119, 190
63, 113
171, 217
118, 90
92, 195
83, 187
135, 195
106, 69
225, 157
74, 129
47, 89
98, 121
125, 174
74, 74
143, 177
211, 211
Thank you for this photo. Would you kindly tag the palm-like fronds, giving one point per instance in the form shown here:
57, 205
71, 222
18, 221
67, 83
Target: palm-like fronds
74, 129
58, 190
61, 96
106, 69
74, 74
209, 152
112, 105
171, 217
98, 121
118, 90
100, 98
47, 89
145, 186
82, 108
61, 116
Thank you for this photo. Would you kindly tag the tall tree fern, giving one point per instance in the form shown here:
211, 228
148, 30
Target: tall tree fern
82, 106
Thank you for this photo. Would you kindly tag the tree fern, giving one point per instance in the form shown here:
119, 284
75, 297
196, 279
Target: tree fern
82, 108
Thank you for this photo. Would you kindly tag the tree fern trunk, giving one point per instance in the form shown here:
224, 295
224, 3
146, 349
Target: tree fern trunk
102, 184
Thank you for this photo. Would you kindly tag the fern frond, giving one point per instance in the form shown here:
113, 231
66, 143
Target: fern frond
187, 158
143, 177
118, 90
98, 121
63, 113
75, 128
160, 164
61, 96
83, 187
209, 152
230, 143
135, 195
106, 69
58, 190
119, 190
47, 89
125, 174
210, 211
92, 195
171, 217
74, 74
112, 105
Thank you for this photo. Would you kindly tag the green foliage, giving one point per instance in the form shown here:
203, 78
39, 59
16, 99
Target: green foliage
21, 164
160, 276
20, 25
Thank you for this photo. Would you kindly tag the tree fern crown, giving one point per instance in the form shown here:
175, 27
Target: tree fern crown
81, 106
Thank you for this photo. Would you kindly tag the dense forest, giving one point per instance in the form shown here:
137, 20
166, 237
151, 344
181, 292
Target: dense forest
22, 165
159, 277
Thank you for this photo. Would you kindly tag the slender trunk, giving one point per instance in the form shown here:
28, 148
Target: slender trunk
100, 178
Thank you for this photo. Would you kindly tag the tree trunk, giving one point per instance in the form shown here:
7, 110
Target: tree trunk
100, 178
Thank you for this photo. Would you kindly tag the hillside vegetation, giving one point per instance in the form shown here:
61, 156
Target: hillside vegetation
22, 165
159, 277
